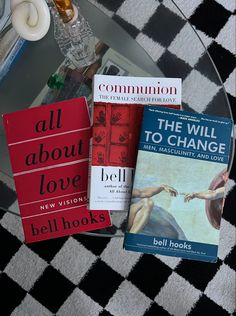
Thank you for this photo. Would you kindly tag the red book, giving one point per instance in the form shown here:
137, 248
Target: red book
49, 152
117, 116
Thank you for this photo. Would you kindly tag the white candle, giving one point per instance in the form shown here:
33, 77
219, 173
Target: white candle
30, 19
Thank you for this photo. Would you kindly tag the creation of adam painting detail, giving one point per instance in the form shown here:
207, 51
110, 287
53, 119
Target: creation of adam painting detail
177, 198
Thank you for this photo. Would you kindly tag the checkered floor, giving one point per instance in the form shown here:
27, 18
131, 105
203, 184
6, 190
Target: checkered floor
83, 275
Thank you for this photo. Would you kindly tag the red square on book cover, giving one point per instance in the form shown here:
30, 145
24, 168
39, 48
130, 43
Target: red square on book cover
49, 152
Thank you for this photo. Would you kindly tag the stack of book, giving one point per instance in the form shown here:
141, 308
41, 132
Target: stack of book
138, 152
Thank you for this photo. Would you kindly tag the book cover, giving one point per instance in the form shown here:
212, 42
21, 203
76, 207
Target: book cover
117, 116
49, 152
179, 184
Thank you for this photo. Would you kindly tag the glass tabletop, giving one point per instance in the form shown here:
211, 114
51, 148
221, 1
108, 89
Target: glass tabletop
175, 50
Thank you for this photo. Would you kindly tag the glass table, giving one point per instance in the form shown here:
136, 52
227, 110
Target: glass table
203, 90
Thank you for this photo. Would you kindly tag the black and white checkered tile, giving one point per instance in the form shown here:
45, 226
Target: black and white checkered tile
82, 275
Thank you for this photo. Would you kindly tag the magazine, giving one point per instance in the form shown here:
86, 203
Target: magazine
179, 183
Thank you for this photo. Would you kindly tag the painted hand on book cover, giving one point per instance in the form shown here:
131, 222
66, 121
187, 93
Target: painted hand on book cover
214, 198
149, 192
206, 195
212, 193
140, 211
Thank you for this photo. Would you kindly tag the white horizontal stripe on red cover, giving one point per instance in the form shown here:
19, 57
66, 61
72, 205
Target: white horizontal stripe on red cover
50, 212
52, 198
43, 137
50, 167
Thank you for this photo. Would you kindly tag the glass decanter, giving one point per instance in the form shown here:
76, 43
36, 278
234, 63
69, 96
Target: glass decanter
73, 34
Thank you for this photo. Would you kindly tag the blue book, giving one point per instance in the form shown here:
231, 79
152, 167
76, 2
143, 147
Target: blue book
179, 184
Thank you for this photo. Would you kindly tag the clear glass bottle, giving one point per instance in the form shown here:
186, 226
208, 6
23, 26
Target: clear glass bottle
74, 36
